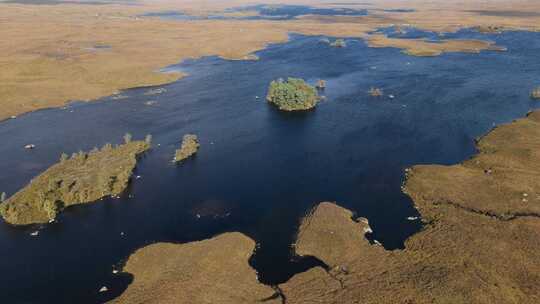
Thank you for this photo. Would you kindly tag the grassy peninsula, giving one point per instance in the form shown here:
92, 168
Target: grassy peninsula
190, 146
294, 94
209, 271
81, 178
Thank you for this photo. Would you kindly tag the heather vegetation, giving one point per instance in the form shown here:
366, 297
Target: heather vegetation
292, 95
82, 178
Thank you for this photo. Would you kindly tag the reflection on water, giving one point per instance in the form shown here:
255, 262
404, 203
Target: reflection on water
258, 170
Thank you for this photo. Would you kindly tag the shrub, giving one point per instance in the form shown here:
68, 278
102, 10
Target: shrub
106, 147
63, 157
148, 139
127, 138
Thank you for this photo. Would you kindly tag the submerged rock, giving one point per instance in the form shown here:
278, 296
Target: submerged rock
292, 95
190, 146
155, 91
83, 178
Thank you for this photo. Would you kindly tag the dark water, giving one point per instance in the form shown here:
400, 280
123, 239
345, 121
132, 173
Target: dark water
266, 12
284, 12
258, 170
502, 13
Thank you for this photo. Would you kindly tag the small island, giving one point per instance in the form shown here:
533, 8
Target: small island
190, 146
375, 92
535, 94
339, 43
292, 95
81, 178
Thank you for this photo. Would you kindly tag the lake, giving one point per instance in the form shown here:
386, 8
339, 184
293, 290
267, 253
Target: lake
258, 170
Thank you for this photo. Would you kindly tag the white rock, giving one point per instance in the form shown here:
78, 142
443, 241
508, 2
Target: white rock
35, 233
30, 146
412, 218
103, 289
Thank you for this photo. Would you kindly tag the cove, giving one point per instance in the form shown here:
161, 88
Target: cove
258, 170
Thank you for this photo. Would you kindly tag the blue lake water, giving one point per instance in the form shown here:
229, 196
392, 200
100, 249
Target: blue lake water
265, 12
258, 170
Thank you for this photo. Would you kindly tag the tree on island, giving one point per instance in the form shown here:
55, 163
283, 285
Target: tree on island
148, 139
63, 157
294, 94
127, 138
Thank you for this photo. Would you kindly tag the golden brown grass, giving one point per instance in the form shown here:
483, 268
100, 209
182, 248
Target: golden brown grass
205, 272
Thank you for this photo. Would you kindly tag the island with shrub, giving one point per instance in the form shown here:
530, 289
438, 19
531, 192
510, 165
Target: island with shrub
190, 146
82, 178
293, 94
